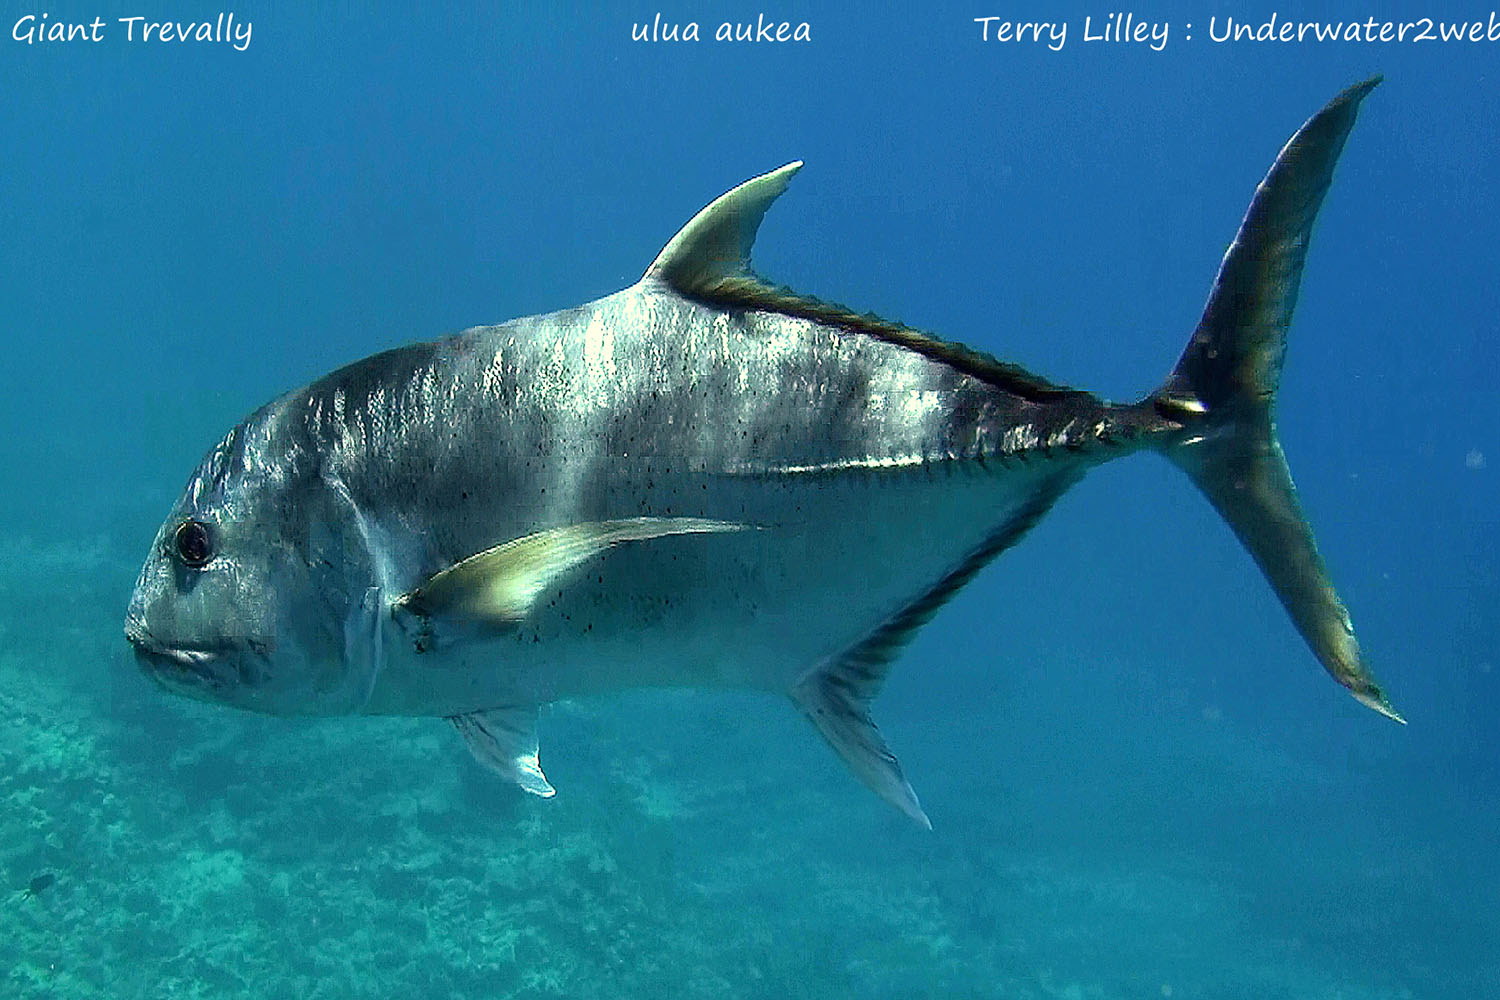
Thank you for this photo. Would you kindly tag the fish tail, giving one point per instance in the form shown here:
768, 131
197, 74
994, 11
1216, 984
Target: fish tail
1220, 399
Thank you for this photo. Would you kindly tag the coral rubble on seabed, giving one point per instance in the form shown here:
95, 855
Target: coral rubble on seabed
697, 848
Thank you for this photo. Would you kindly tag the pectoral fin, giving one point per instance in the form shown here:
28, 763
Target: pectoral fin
499, 586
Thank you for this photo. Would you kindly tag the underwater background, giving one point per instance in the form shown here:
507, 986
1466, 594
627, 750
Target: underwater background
1141, 782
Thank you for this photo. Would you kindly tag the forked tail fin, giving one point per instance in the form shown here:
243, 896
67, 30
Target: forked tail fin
1223, 392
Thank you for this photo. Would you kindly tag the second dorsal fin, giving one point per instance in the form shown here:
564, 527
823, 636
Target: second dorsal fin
715, 244
709, 260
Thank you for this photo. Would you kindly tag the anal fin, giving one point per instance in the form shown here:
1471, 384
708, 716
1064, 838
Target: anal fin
843, 717
836, 694
504, 741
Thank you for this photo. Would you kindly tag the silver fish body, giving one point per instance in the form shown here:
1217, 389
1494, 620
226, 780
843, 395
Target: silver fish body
846, 459
861, 471
701, 480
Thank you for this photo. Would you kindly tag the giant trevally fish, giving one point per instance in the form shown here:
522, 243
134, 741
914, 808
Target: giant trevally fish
702, 480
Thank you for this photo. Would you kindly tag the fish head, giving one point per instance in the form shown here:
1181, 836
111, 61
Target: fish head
242, 599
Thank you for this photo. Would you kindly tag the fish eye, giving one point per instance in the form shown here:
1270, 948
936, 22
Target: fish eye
194, 544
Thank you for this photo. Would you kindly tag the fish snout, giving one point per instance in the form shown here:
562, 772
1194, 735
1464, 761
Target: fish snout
135, 627
167, 663
192, 672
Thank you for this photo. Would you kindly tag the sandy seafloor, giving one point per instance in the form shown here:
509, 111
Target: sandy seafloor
1141, 784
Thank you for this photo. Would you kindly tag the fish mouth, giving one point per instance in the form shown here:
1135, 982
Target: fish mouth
190, 659
181, 671
198, 668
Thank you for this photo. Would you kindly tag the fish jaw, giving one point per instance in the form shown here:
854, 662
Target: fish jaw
197, 672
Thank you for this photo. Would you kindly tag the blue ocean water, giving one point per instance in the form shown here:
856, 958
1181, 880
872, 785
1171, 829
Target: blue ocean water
1141, 783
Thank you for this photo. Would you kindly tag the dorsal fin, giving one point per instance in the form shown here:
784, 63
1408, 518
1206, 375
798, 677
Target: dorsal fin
709, 260
715, 244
